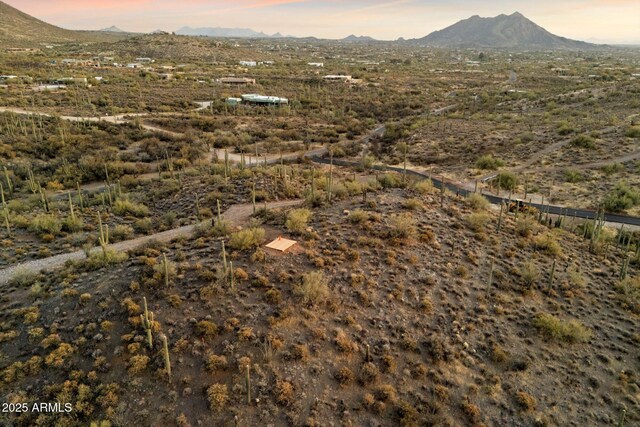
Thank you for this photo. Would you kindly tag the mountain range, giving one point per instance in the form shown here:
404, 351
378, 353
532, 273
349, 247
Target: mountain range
225, 32
503, 31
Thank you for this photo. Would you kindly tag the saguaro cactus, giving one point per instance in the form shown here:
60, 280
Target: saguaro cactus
146, 320
165, 353
247, 381
5, 209
103, 238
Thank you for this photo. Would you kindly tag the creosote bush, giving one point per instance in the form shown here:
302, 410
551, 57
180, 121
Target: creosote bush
477, 221
297, 220
571, 331
314, 288
489, 162
247, 238
477, 202
124, 207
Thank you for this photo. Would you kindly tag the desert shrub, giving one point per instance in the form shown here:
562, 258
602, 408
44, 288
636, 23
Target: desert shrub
571, 331
628, 291
121, 232
424, 186
247, 238
525, 225
506, 180
314, 288
58, 356
573, 175
344, 343
369, 373
526, 401
284, 393
548, 243
632, 132
72, 225
143, 225
45, 224
622, 198
138, 364
529, 274
388, 180
218, 396
99, 259
297, 220
413, 204
477, 221
344, 375
23, 278
124, 207
612, 168
576, 278
216, 363
477, 202
565, 129
583, 141
358, 216
402, 226
489, 162
206, 328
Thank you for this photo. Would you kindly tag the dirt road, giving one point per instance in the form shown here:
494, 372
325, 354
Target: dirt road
235, 215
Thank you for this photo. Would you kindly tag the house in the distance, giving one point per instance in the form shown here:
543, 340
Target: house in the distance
236, 81
337, 77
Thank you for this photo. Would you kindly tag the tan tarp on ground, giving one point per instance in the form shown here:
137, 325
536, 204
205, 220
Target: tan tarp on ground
281, 244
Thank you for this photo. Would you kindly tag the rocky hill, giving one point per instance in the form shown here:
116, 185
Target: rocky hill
17, 29
502, 31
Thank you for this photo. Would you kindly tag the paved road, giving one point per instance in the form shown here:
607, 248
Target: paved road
235, 215
460, 189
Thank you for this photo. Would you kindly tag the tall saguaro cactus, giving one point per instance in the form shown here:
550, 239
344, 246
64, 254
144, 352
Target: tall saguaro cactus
146, 320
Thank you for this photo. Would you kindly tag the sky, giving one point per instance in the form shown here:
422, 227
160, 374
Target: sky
607, 21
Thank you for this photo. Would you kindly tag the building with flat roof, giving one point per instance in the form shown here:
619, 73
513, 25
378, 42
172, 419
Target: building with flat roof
256, 99
337, 77
236, 81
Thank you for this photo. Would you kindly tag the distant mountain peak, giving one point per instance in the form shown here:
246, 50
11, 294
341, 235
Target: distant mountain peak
112, 29
224, 32
354, 38
502, 31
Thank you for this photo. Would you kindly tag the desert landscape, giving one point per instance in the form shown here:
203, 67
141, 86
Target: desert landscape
229, 228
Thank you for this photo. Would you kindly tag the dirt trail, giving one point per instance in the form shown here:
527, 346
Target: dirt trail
235, 215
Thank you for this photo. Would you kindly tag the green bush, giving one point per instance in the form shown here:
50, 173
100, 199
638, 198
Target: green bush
622, 198
583, 141
46, 224
612, 168
247, 238
72, 224
402, 226
124, 207
573, 175
358, 216
121, 232
632, 132
489, 162
571, 331
477, 202
506, 180
424, 186
477, 221
297, 220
